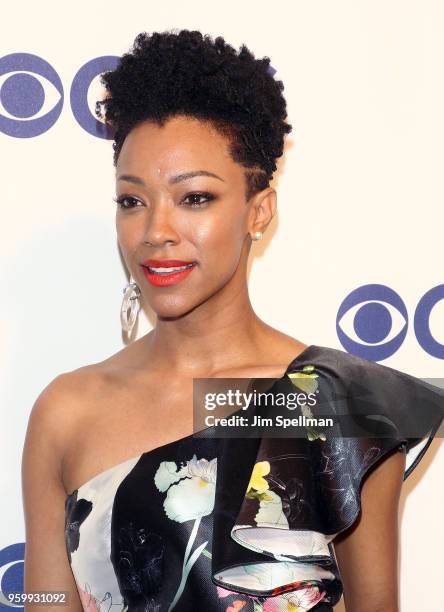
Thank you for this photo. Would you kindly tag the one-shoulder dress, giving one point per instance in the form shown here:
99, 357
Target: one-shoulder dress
215, 523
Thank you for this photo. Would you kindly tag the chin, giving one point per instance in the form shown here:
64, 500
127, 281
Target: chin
172, 307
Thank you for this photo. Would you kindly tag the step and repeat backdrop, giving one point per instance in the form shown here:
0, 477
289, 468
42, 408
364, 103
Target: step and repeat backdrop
352, 260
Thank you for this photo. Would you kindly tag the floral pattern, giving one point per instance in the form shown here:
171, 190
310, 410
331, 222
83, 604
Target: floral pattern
306, 381
89, 602
190, 489
242, 525
297, 601
190, 496
301, 600
270, 511
76, 512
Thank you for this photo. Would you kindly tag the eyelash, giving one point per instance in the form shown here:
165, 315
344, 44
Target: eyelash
120, 201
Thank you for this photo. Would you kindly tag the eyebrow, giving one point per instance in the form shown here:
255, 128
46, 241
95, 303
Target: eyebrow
129, 178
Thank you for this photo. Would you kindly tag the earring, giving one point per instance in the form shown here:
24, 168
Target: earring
256, 236
130, 306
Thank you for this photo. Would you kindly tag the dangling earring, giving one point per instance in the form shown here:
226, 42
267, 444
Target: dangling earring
256, 236
130, 306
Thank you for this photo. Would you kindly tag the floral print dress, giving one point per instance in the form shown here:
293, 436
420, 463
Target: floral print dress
209, 523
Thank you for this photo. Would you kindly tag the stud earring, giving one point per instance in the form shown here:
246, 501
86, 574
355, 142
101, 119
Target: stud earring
130, 306
256, 236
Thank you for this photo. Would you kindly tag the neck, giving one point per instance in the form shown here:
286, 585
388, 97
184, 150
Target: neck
222, 333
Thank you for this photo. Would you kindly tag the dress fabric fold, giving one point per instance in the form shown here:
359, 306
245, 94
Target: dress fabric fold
227, 523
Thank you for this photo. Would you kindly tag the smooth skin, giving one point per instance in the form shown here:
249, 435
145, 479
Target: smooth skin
92, 418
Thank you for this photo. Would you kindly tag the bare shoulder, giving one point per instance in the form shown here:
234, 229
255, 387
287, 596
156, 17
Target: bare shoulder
282, 348
70, 388
58, 411
55, 413
56, 401
53, 418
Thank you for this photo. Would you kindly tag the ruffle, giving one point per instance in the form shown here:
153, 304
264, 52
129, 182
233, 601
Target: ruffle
280, 502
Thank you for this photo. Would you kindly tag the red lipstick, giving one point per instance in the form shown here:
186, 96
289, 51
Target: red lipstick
157, 271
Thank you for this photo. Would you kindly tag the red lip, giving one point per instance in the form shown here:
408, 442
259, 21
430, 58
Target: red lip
165, 263
169, 278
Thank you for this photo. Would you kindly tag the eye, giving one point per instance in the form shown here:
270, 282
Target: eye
126, 202
197, 199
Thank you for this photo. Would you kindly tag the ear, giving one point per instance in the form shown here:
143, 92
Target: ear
263, 207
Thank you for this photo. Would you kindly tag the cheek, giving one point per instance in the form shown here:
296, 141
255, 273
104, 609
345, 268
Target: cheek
129, 233
220, 234
219, 243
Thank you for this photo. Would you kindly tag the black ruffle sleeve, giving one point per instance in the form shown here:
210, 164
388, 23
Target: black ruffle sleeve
280, 501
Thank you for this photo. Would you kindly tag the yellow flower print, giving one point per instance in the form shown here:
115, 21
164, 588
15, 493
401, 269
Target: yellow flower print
306, 382
258, 485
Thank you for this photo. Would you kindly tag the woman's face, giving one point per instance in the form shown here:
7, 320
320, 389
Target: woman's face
182, 197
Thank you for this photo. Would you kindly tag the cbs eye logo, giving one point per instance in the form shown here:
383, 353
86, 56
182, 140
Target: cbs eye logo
11, 573
32, 96
372, 322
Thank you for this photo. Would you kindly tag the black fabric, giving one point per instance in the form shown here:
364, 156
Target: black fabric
168, 511
320, 481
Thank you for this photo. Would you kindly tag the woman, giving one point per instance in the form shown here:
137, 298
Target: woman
139, 514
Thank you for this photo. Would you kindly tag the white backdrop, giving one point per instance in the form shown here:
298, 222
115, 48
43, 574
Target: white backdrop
360, 195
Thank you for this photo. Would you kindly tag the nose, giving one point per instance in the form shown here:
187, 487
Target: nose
160, 225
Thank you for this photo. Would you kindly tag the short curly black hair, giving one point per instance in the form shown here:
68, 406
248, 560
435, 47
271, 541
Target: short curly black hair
186, 73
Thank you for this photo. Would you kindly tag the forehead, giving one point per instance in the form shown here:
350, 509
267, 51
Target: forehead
180, 141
